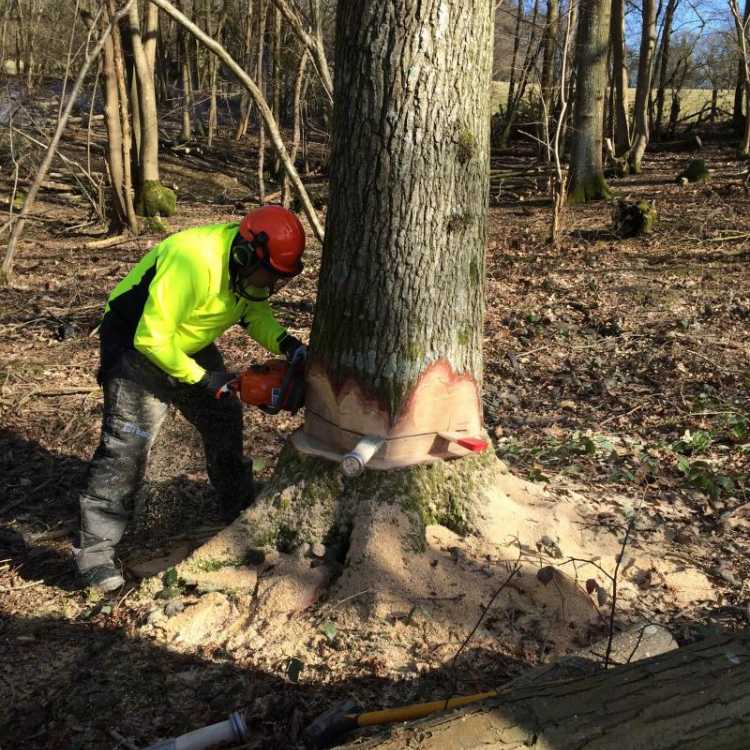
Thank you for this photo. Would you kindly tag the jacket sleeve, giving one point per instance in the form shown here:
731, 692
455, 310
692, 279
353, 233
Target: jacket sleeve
176, 289
259, 322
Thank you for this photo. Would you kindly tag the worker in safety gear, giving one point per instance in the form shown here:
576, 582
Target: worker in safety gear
157, 350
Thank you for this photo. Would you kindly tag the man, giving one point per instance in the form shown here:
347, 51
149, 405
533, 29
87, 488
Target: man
157, 349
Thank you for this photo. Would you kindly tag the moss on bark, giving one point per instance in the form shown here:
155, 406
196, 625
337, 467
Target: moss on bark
156, 200
587, 189
309, 500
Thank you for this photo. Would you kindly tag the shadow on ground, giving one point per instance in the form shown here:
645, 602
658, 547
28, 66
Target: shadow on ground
91, 683
39, 511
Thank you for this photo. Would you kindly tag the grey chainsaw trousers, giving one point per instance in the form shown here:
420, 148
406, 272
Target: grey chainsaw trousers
137, 395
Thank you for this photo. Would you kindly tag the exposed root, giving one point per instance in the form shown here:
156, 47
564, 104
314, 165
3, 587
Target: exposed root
427, 547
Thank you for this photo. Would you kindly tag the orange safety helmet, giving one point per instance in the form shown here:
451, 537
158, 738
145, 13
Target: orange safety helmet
277, 237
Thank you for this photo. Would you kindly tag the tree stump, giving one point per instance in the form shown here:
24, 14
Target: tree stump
696, 171
631, 219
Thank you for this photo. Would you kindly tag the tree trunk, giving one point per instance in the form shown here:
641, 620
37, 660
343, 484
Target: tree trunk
187, 95
739, 92
296, 115
124, 110
664, 65
213, 66
408, 184
692, 698
509, 105
548, 73
587, 173
396, 344
620, 79
643, 88
276, 73
114, 137
741, 29
262, 10
246, 101
150, 35
153, 198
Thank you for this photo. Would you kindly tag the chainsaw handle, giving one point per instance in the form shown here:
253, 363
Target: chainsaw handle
228, 389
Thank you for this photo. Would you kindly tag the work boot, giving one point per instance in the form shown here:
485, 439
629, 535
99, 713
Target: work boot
104, 578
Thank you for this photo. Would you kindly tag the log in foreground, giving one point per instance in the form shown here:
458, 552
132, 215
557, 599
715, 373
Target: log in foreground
692, 698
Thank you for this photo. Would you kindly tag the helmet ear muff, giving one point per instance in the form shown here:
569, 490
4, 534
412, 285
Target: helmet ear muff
243, 254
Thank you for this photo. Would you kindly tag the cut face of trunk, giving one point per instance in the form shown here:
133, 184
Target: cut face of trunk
402, 327
592, 41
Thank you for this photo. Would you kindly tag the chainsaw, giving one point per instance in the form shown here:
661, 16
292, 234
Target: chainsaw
273, 386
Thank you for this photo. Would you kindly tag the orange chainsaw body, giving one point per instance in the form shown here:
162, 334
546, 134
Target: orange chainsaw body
260, 385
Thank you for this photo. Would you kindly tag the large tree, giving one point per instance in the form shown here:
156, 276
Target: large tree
396, 346
592, 42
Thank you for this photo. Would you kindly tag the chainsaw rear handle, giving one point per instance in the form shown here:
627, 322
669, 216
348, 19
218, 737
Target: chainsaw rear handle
228, 389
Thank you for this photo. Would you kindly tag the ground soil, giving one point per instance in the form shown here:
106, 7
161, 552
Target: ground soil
616, 371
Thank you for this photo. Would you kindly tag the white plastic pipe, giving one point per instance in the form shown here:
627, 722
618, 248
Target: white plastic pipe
354, 462
233, 729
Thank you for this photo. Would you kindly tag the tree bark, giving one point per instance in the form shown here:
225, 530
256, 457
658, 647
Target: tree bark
741, 28
548, 73
153, 198
276, 74
409, 185
664, 65
643, 87
620, 79
124, 110
187, 85
587, 173
692, 698
296, 122
259, 77
114, 136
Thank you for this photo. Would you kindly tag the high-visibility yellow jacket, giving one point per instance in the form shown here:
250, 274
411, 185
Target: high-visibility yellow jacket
177, 299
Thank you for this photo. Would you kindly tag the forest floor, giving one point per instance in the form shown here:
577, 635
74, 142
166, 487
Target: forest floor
615, 368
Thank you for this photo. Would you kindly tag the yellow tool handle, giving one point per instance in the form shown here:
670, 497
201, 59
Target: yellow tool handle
418, 710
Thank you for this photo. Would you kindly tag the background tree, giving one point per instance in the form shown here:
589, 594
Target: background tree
663, 64
620, 114
153, 199
643, 87
592, 41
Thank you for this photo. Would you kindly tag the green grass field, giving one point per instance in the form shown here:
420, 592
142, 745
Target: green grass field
692, 99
